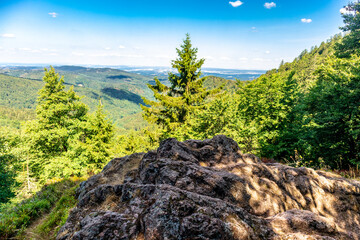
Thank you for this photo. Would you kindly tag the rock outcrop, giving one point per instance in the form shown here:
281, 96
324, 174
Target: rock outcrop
209, 190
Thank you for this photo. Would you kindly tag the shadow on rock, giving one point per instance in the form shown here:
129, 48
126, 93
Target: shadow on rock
210, 190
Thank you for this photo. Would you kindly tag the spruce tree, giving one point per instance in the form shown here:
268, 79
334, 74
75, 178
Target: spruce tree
99, 133
59, 115
351, 42
60, 119
185, 94
65, 140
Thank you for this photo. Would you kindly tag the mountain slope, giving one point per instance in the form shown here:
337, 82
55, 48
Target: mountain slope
93, 78
120, 91
21, 93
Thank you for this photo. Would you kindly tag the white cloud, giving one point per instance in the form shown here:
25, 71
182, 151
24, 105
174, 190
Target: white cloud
243, 59
53, 14
236, 3
107, 48
306, 20
269, 5
267, 52
121, 47
8, 35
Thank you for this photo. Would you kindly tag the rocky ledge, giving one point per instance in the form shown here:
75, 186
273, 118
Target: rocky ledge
210, 190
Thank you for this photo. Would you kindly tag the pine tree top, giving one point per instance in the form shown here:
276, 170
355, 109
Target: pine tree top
185, 94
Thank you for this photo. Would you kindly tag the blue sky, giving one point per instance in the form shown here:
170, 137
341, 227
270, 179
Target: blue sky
246, 34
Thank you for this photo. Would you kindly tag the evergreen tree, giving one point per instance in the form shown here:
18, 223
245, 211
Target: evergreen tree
98, 134
281, 63
59, 115
186, 93
351, 42
65, 140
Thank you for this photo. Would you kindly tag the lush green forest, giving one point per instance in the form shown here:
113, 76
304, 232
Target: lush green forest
119, 91
304, 113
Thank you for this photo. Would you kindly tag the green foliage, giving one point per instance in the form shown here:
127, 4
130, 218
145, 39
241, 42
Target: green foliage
9, 92
58, 215
64, 140
186, 93
8, 183
98, 135
89, 78
253, 116
263, 106
120, 93
295, 114
308, 110
333, 105
142, 140
14, 218
212, 82
305, 112
60, 117
221, 116
13, 117
350, 44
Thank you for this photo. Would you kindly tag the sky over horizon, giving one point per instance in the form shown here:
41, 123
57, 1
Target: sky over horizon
246, 34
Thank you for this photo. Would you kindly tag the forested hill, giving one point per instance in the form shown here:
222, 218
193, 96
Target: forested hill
307, 62
19, 94
94, 78
120, 92
305, 112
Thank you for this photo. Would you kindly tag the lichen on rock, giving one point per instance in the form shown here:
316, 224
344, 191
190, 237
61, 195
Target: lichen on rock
210, 190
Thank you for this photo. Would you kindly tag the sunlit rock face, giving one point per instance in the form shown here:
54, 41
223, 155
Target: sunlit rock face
210, 190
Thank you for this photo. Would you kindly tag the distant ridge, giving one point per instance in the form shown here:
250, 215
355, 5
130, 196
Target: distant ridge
120, 90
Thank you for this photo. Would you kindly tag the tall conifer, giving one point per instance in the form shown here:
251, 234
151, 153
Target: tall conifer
185, 94
350, 44
64, 139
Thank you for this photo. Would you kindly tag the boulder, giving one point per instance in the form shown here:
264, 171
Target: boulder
209, 190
